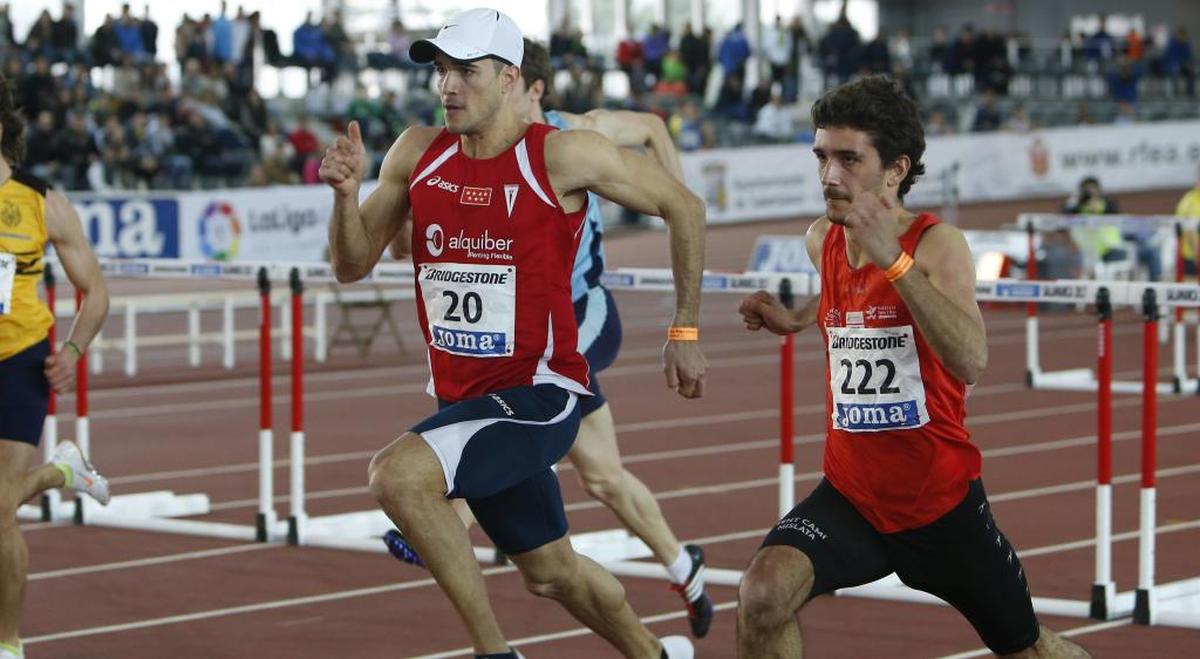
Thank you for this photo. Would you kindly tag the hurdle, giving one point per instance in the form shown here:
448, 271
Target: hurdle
1084, 379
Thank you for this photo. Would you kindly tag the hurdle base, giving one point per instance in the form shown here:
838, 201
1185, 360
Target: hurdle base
1102, 597
1142, 614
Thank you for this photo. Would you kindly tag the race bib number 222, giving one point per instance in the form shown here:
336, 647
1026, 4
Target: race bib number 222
875, 379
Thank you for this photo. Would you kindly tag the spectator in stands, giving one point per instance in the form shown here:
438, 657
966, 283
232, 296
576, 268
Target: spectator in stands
66, 35
987, 114
129, 35
731, 101
1100, 45
760, 96
800, 48
41, 148
189, 43
696, 58
76, 149
937, 124
939, 49
1135, 46
733, 53
304, 144
960, 57
1189, 206
631, 59
777, 46
839, 50
7, 40
149, 31
688, 129
900, 49
875, 57
775, 121
35, 91
674, 76
561, 43
1123, 83
40, 38
1018, 121
1177, 61
342, 49
1126, 114
309, 48
655, 45
221, 32
106, 47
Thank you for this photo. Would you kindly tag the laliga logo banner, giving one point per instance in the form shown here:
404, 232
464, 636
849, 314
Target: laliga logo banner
220, 232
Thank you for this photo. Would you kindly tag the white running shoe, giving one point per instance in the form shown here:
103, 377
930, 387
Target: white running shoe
677, 647
81, 475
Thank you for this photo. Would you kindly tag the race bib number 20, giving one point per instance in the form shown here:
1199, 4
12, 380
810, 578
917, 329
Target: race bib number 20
471, 308
8, 272
876, 379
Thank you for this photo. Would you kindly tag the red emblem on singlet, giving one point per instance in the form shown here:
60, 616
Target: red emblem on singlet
476, 196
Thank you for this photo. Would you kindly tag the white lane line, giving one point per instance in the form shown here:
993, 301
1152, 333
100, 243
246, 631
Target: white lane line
247, 608
1069, 633
155, 560
519, 643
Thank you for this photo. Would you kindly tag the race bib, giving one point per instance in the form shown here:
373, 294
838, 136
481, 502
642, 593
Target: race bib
8, 272
472, 309
875, 379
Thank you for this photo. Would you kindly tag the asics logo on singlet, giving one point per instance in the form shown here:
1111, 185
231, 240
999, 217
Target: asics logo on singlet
441, 183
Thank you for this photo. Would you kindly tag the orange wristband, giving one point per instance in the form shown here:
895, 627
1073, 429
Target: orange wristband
683, 334
899, 267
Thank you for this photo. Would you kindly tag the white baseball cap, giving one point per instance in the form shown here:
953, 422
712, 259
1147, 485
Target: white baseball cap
471, 35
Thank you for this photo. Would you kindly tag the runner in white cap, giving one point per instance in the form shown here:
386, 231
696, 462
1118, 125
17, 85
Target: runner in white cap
497, 206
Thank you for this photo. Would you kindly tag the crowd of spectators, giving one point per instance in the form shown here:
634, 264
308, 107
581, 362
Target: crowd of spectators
205, 124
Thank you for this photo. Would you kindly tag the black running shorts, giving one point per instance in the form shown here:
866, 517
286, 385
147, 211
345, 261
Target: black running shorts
962, 557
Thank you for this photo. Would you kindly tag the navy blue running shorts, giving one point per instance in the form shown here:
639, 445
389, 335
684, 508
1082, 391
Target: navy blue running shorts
962, 557
496, 451
599, 339
24, 394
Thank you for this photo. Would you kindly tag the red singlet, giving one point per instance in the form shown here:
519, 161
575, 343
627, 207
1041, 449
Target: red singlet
493, 251
896, 444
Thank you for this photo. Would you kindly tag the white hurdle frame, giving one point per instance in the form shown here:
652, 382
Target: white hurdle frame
1084, 379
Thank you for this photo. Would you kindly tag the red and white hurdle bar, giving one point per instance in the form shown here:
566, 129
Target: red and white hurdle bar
1082, 379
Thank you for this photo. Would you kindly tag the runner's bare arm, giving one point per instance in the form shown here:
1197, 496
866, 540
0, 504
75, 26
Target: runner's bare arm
762, 309
633, 129
939, 291
584, 160
77, 259
358, 233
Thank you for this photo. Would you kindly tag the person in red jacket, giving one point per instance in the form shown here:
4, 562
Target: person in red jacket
904, 339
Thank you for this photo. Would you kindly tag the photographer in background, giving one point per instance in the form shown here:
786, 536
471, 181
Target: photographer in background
1109, 243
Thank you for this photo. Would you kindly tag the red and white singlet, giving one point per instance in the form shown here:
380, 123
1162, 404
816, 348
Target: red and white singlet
897, 446
493, 251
